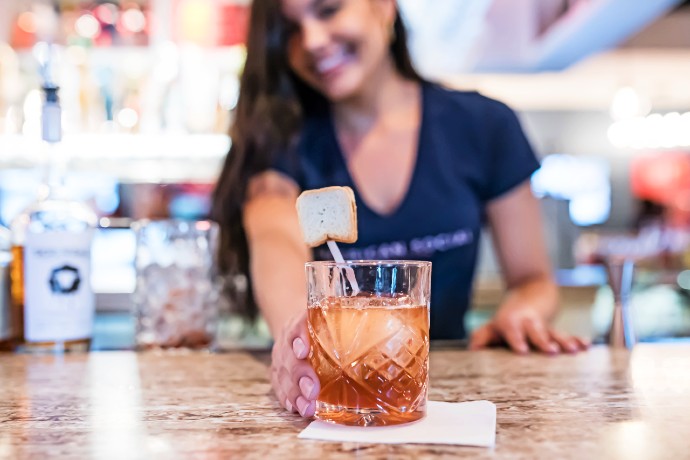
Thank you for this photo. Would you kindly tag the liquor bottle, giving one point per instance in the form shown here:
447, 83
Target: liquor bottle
51, 295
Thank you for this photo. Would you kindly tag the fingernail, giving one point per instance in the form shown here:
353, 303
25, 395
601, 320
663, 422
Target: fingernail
302, 405
288, 405
523, 348
552, 348
298, 347
307, 386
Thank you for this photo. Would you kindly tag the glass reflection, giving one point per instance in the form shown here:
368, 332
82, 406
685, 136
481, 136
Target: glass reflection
115, 406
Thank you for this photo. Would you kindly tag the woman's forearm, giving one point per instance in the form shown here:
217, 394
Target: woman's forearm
277, 270
277, 255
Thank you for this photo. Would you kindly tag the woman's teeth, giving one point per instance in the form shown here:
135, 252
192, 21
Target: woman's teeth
331, 62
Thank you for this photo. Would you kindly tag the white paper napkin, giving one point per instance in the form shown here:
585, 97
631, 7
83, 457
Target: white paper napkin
468, 424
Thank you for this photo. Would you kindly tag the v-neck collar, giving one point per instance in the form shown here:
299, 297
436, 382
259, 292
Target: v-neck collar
418, 161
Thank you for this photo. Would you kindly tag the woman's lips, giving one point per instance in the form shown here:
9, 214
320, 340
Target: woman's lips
329, 66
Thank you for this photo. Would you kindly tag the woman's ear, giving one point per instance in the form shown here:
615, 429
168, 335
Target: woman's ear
387, 10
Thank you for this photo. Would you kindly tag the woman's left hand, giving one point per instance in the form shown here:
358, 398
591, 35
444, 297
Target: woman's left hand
522, 329
531, 293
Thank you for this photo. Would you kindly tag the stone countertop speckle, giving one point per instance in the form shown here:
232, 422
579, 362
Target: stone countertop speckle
124, 405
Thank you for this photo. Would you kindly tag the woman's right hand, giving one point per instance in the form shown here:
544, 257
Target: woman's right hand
294, 381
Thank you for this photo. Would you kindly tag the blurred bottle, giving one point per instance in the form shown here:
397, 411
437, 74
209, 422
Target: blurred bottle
51, 295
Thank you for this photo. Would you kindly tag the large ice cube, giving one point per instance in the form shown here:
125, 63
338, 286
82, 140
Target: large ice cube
356, 329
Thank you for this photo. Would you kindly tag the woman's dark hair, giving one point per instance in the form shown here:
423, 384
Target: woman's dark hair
268, 117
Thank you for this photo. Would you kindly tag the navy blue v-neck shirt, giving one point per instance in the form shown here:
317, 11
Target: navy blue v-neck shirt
471, 149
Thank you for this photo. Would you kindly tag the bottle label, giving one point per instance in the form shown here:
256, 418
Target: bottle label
52, 128
58, 300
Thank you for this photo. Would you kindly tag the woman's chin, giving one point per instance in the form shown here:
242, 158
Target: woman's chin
340, 88
340, 93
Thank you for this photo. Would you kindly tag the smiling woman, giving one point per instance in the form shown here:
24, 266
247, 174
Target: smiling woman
280, 87
329, 98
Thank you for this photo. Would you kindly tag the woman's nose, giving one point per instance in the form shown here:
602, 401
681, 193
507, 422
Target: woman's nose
314, 35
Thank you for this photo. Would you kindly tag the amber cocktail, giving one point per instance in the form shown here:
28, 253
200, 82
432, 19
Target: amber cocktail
369, 330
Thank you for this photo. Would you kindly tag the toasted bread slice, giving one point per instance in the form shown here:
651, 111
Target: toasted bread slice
327, 214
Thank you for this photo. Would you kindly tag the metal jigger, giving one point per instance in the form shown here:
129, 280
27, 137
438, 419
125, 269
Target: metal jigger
620, 277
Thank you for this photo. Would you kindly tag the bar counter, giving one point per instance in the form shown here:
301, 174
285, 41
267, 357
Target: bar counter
124, 405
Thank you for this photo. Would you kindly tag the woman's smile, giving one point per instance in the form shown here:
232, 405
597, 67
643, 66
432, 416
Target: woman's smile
327, 64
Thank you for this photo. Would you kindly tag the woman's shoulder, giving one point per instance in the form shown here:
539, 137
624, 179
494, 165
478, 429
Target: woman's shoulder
466, 102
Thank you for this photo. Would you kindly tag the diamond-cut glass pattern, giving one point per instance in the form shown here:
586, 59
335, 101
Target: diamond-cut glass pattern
370, 356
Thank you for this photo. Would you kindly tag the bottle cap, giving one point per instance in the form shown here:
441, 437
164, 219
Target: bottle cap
51, 92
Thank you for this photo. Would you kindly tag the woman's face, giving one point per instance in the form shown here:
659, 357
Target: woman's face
337, 46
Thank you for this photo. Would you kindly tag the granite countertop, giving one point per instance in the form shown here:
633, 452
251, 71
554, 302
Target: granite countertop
125, 405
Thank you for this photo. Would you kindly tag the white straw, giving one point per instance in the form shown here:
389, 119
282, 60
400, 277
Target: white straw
349, 273
335, 250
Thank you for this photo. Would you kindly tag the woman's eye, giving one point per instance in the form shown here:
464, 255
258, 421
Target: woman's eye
327, 10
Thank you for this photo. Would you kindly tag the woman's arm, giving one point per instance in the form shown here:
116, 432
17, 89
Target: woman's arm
277, 251
277, 256
532, 295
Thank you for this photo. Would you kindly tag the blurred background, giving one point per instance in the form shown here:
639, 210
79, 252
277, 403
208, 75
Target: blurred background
148, 89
